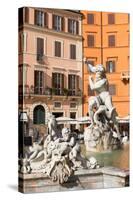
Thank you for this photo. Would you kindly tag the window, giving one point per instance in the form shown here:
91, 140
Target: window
40, 49
57, 83
57, 104
111, 40
112, 89
90, 92
73, 84
38, 82
73, 115
72, 51
90, 40
58, 23
39, 115
23, 15
41, 18
110, 66
73, 105
73, 26
90, 18
57, 49
111, 18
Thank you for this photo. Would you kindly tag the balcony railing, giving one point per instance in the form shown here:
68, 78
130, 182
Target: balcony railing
30, 91
125, 75
42, 59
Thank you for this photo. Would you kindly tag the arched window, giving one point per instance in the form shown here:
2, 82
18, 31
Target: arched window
39, 115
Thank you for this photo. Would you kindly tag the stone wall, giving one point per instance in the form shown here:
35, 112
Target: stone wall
107, 177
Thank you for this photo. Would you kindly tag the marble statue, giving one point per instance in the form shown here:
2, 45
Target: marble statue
58, 157
101, 112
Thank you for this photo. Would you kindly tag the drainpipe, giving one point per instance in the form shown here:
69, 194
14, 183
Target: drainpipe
101, 38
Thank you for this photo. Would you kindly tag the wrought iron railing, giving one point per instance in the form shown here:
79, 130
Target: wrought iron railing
31, 90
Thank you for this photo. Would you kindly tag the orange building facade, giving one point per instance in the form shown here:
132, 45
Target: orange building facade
106, 41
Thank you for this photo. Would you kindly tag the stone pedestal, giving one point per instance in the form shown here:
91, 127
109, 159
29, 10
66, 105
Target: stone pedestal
107, 177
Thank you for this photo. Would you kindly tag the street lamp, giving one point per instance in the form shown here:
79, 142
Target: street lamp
24, 119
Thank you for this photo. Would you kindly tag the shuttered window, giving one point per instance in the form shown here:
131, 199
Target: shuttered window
90, 40
57, 83
73, 26
41, 18
90, 18
111, 18
72, 51
39, 82
57, 49
110, 66
58, 23
73, 84
111, 40
40, 49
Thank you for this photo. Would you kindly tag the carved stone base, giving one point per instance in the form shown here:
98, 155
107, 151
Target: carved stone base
108, 177
97, 140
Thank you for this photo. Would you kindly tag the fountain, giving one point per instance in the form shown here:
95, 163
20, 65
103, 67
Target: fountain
59, 156
56, 163
103, 133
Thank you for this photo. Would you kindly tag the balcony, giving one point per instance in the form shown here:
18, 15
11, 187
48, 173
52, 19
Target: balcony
27, 91
42, 59
125, 76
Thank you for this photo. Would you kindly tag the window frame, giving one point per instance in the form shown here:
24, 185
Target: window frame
112, 43
42, 19
39, 86
58, 22
73, 26
89, 20
111, 18
93, 42
35, 120
56, 107
108, 69
73, 103
59, 54
40, 53
73, 84
58, 79
73, 55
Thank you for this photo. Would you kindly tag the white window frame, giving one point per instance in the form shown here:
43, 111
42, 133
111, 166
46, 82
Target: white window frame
62, 48
45, 44
57, 107
58, 22
72, 107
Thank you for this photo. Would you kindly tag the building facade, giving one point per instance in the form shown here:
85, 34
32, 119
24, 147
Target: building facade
50, 63
106, 41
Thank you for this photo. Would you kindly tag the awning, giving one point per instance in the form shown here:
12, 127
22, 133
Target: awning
125, 119
65, 120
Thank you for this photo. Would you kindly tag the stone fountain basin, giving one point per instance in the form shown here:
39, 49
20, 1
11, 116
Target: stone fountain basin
106, 177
